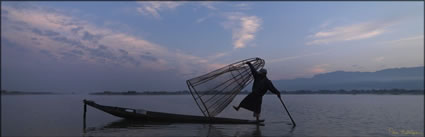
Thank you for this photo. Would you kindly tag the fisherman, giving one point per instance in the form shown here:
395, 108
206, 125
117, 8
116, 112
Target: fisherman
261, 84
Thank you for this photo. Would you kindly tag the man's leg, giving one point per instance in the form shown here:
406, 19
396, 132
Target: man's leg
236, 108
257, 116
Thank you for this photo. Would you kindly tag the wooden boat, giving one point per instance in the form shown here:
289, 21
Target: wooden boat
150, 116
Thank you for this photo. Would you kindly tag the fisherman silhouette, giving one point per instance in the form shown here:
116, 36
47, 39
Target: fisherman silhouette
261, 84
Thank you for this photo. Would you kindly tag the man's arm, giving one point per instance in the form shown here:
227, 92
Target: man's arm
253, 71
272, 88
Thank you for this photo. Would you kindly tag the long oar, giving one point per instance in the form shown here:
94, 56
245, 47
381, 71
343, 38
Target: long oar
293, 122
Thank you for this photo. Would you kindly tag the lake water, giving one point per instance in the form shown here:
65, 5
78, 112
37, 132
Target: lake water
315, 115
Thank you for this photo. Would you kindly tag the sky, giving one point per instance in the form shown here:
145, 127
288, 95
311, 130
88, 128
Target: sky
120, 46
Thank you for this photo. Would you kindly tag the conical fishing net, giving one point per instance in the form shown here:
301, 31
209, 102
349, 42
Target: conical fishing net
215, 90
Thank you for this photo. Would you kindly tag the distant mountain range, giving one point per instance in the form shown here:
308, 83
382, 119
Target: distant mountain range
400, 78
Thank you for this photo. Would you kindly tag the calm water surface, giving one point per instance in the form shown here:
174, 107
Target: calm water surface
315, 115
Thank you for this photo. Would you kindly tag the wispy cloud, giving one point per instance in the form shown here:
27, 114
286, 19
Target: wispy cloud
419, 38
349, 32
242, 6
243, 28
379, 59
209, 5
218, 55
62, 36
295, 57
325, 24
202, 19
320, 68
153, 8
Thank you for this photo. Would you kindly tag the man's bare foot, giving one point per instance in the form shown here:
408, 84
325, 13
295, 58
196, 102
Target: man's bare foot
236, 108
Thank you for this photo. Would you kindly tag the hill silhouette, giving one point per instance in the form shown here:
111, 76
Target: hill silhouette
400, 78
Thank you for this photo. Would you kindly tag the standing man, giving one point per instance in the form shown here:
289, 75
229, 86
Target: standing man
261, 84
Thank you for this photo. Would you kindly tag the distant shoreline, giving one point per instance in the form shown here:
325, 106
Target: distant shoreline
297, 92
391, 92
3, 92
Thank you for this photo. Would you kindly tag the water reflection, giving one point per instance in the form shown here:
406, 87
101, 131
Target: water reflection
255, 133
316, 115
136, 128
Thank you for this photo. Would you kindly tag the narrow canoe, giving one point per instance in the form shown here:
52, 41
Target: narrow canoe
150, 116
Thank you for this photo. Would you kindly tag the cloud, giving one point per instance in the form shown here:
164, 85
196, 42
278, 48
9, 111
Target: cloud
148, 57
153, 8
66, 37
349, 32
320, 68
242, 6
78, 52
209, 5
243, 28
91, 37
419, 37
379, 59
296, 57
47, 53
325, 24
357, 66
45, 33
218, 55
202, 19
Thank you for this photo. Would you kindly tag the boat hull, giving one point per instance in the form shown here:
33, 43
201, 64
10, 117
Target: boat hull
151, 116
